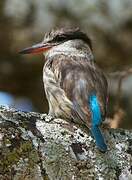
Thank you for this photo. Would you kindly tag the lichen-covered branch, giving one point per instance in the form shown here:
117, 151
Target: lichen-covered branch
31, 147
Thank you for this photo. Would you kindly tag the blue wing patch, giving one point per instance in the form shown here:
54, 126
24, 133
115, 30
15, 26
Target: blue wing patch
96, 120
95, 109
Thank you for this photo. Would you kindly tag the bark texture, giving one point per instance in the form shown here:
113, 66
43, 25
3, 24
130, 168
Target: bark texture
33, 147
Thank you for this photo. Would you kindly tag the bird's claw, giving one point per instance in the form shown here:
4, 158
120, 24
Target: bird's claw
49, 118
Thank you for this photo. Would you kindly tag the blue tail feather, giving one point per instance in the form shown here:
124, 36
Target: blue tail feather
96, 121
100, 142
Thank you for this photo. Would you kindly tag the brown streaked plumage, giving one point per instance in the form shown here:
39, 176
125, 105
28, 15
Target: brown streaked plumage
76, 89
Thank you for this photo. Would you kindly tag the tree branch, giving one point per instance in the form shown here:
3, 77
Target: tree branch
32, 148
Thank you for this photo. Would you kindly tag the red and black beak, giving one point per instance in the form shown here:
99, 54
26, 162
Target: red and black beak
35, 49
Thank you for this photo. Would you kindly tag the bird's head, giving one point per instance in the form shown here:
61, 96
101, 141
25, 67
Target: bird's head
56, 37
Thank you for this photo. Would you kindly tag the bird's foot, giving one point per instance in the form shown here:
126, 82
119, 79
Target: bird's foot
49, 118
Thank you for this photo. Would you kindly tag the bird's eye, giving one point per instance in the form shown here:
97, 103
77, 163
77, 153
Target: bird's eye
59, 38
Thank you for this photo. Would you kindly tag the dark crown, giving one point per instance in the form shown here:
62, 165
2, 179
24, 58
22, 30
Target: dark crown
65, 34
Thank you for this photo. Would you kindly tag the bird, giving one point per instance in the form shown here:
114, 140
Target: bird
75, 87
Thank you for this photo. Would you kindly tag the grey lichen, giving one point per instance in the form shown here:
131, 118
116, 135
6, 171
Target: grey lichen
32, 147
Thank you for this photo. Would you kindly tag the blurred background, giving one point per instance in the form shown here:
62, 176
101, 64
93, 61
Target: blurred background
108, 23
